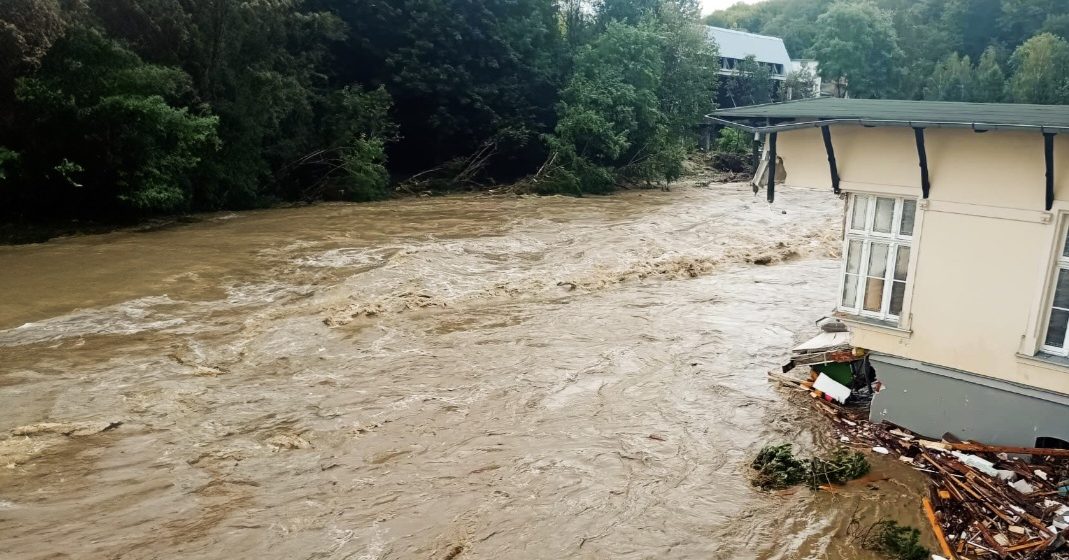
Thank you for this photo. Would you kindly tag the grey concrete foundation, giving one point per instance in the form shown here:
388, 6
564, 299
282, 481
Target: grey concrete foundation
932, 400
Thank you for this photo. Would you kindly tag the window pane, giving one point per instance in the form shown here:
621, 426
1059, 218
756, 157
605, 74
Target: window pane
1056, 328
873, 294
850, 291
885, 212
1061, 292
898, 293
902, 263
853, 257
1065, 250
861, 212
909, 214
878, 259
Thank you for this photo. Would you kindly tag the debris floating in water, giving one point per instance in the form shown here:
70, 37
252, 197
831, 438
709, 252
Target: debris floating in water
777, 467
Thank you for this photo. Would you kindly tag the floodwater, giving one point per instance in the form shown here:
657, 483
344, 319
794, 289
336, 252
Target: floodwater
436, 378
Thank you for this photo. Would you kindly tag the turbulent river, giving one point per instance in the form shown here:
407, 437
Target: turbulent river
439, 378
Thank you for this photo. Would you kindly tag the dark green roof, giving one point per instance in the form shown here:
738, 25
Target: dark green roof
887, 112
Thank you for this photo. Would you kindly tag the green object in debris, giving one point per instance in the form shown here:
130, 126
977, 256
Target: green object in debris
777, 467
840, 467
840, 372
899, 542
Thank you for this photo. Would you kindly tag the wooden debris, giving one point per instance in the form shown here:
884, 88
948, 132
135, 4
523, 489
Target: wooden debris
975, 514
937, 529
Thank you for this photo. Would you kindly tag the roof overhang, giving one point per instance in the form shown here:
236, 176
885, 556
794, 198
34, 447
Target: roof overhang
751, 124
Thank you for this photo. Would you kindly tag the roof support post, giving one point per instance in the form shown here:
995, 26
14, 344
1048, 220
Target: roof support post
755, 148
1048, 155
772, 167
825, 131
922, 156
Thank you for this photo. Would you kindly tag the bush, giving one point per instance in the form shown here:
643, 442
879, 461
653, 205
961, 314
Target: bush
7, 159
734, 141
364, 176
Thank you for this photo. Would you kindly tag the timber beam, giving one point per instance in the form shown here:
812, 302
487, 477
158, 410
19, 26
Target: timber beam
825, 131
772, 167
1048, 156
922, 157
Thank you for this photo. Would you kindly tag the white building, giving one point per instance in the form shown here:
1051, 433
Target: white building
735, 46
813, 68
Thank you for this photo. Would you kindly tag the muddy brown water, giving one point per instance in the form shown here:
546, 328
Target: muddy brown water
459, 377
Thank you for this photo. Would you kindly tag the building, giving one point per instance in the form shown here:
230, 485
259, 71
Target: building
734, 46
955, 268
821, 88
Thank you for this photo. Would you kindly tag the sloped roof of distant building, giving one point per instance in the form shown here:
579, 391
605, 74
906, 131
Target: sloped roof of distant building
740, 44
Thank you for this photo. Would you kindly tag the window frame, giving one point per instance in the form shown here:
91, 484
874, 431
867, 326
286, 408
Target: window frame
1061, 262
894, 239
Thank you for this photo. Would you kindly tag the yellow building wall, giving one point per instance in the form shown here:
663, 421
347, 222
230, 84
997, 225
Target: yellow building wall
985, 245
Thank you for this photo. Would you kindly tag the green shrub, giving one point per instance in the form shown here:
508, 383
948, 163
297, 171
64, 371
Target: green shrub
898, 542
777, 467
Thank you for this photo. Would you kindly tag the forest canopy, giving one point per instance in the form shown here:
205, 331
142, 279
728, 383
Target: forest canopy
122, 109
116, 109
943, 50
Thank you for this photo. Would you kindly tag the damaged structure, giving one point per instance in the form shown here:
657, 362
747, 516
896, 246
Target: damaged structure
955, 266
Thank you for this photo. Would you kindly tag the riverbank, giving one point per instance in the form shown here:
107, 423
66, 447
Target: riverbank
698, 173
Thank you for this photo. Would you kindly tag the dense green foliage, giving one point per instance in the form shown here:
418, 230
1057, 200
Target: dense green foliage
634, 94
778, 467
898, 542
950, 50
119, 109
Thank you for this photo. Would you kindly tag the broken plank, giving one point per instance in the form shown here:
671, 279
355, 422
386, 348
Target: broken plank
937, 529
1034, 451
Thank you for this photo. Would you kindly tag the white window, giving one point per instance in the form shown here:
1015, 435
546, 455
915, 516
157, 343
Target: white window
1058, 324
879, 231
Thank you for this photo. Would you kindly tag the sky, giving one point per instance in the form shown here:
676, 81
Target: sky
709, 6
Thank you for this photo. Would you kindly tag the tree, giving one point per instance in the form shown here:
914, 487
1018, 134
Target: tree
857, 48
951, 80
799, 84
1040, 70
103, 131
28, 28
689, 75
631, 105
989, 81
1020, 19
609, 109
459, 71
352, 161
751, 84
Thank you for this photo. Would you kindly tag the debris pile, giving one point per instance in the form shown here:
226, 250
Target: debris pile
987, 503
777, 467
984, 501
